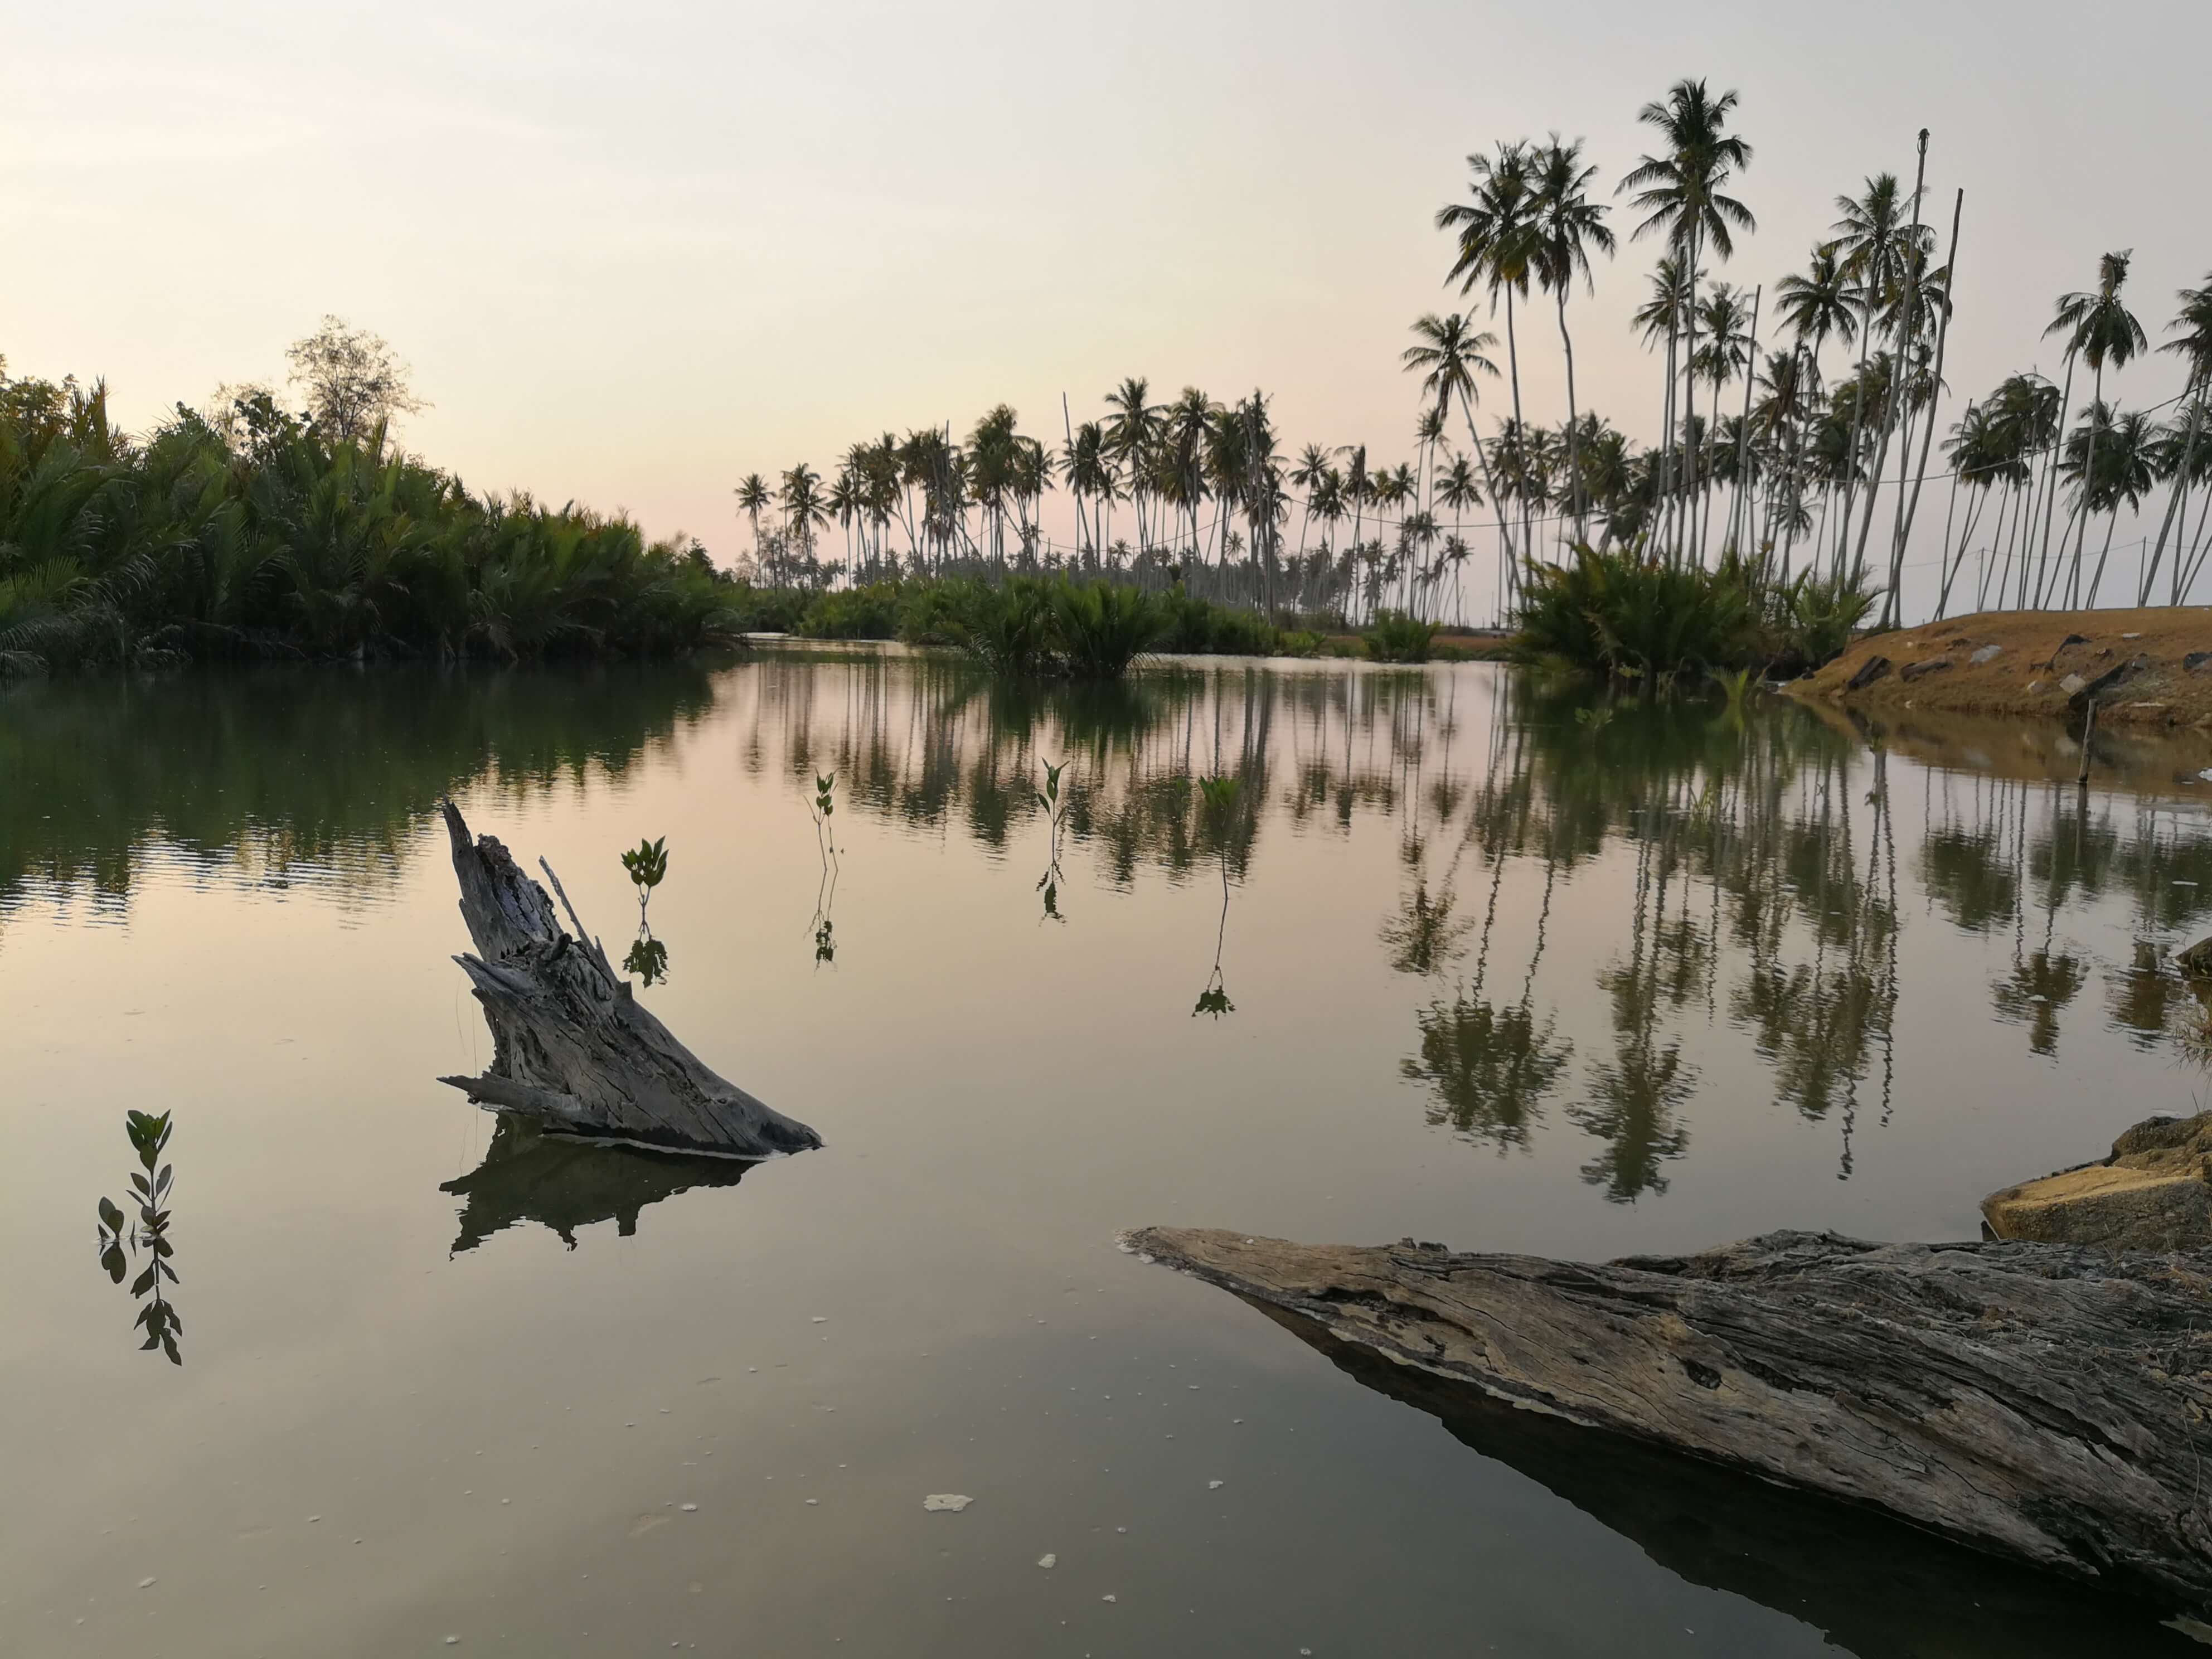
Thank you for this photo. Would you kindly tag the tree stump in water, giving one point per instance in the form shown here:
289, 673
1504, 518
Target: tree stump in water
2042, 1401
571, 1047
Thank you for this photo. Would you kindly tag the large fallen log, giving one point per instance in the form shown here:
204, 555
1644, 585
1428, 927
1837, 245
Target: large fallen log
564, 1183
2041, 1401
571, 1048
1875, 1586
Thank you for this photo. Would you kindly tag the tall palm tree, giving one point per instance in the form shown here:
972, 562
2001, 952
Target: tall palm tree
1500, 238
2124, 451
1569, 224
2098, 329
1879, 239
1682, 191
1449, 355
1131, 429
1310, 472
803, 510
1184, 428
754, 499
2193, 323
1674, 297
1726, 317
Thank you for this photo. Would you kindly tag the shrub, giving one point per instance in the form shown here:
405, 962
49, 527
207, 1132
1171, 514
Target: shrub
1619, 614
853, 613
1396, 637
1100, 629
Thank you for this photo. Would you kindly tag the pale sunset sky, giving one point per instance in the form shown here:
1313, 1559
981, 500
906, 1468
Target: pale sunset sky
632, 251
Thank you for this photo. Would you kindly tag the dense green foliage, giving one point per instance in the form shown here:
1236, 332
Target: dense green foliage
1398, 637
1026, 626
273, 538
1613, 611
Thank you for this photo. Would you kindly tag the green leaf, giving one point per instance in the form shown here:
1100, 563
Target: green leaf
111, 1216
143, 1283
111, 1259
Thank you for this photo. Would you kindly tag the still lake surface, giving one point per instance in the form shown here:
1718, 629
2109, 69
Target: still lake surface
1467, 958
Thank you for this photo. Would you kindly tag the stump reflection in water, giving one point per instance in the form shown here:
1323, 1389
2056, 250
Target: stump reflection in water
566, 1182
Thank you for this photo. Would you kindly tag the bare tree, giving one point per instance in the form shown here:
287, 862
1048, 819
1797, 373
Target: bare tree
352, 381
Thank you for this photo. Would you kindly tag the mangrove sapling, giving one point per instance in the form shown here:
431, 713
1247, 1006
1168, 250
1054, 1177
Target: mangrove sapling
824, 805
646, 865
149, 1234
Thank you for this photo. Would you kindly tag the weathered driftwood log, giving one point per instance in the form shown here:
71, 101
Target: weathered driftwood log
571, 1046
2153, 1192
1875, 1586
2041, 1401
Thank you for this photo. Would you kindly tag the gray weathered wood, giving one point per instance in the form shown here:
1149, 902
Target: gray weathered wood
571, 1046
2042, 1401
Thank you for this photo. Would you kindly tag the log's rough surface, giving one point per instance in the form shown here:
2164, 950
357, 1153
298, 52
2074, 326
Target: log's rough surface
571, 1047
2041, 1401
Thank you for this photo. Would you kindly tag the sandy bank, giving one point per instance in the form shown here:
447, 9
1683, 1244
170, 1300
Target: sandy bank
2145, 668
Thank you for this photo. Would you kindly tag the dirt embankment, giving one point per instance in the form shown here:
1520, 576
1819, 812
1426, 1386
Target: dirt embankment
2143, 668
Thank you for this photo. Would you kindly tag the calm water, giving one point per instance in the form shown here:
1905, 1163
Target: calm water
1464, 959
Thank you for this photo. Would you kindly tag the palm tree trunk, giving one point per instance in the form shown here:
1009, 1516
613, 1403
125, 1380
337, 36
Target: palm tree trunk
1852, 455
1949, 565
2173, 502
1690, 394
1935, 390
2112, 523
1743, 425
2088, 484
1574, 454
2051, 474
1663, 475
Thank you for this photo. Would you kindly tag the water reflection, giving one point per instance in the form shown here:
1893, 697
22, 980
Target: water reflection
138, 1229
1741, 877
289, 777
1876, 1587
563, 1183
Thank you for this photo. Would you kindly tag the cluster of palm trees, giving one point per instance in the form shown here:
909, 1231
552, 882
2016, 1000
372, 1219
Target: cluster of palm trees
1187, 472
1797, 425
2013, 445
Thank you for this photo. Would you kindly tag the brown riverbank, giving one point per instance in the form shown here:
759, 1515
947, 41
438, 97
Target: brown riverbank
2145, 668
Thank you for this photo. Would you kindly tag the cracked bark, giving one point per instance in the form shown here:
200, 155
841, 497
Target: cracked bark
2045, 1402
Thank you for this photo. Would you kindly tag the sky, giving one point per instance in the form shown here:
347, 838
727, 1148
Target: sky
633, 253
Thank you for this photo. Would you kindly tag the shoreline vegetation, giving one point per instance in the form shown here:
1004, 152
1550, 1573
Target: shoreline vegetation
1756, 536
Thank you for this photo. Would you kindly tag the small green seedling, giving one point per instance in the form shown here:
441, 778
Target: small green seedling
647, 866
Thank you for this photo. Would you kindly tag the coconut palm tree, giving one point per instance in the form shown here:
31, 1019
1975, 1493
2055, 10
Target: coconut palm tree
1133, 427
1879, 240
803, 510
2112, 460
1449, 355
753, 499
2098, 329
1569, 224
1089, 478
1682, 191
1725, 316
2193, 323
1674, 297
1310, 472
1500, 237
